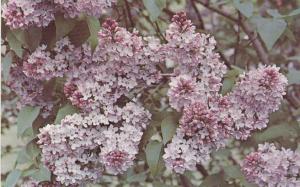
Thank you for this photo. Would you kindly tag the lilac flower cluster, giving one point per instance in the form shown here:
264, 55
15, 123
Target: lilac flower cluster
105, 85
273, 167
209, 119
122, 63
78, 149
26, 13
29, 90
105, 136
256, 94
44, 65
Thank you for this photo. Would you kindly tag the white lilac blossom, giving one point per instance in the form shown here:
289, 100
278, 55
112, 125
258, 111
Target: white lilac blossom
257, 93
29, 90
44, 65
26, 13
82, 146
272, 167
122, 63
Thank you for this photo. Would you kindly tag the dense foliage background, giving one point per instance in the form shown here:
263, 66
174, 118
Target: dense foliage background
248, 33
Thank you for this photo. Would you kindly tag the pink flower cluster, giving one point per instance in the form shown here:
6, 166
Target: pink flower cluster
104, 85
273, 167
29, 90
79, 148
44, 65
209, 119
257, 94
122, 63
26, 13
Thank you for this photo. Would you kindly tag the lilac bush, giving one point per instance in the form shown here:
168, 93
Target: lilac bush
114, 101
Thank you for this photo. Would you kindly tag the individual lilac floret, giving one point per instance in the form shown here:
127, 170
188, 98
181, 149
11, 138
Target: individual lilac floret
272, 167
25, 13
257, 94
44, 65
183, 90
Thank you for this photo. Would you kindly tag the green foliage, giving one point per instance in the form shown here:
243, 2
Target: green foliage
12, 178
64, 111
287, 130
230, 78
293, 76
41, 174
26, 117
168, 128
246, 8
63, 26
6, 63
154, 8
153, 154
269, 29
15, 44
94, 27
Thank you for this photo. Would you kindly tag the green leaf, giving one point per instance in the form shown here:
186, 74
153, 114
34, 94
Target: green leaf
293, 76
168, 128
152, 8
215, 180
153, 154
276, 131
26, 117
294, 12
64, 111
33, 37
12, 178
80, 33
32, 149
41, 174
15, 44
6, 63
230, 79
245, 8
269, 29
233, 172
63, 26
140, 177
8, 162
94, 27
274, 13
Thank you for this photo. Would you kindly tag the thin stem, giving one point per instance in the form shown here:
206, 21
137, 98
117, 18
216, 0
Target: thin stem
129, 13
198, 14
185, 181
237, 45
257, 44
202, 170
